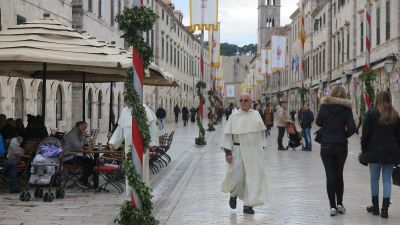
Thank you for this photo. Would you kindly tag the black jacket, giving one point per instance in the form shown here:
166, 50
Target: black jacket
160, 113
185, 113
336, 119
379, 142
307, 119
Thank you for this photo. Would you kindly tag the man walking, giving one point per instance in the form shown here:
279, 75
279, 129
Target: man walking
161, 114
306, 121
177, 110
185, 115
281, 119
243, 143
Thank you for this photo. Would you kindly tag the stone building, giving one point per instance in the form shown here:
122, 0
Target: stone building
177, 53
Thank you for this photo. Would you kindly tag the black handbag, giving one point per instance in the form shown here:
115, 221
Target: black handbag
396, 175
318, 135
362, 159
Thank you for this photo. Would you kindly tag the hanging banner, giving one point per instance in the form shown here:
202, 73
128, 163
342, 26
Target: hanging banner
214, 48
230, 90
278, 53
266, 62
203, 15
217, 73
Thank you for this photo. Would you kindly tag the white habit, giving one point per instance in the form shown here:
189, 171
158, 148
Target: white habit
124, 132
246, 176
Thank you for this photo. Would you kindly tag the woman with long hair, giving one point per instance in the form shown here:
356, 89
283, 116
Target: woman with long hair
380, 145
335, 117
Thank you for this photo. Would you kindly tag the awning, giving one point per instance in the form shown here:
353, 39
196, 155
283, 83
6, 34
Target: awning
157, 78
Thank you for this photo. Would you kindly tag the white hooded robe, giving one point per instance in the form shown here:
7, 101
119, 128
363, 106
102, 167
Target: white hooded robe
246, 175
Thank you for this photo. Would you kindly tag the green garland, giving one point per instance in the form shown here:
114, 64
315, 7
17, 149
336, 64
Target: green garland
134, 21
200, 141
302, 91
211, 115
367, 77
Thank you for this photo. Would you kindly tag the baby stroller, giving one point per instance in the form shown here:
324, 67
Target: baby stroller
45, 171
295, 139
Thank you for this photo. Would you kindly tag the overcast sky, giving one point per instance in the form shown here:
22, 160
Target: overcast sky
239, 18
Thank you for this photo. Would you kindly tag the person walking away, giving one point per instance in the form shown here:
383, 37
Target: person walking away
268, 118
335, 117
192, 115
380, 144
161, 114
293, 115
185, 115
177, 110
281, 119
243, 143
306, 121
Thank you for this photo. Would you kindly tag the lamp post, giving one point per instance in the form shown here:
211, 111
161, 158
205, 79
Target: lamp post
389, 65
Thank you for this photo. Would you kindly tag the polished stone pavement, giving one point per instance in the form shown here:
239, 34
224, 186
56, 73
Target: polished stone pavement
187, 191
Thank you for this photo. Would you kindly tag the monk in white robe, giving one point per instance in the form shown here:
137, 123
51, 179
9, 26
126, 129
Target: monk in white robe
244, 142
124, 132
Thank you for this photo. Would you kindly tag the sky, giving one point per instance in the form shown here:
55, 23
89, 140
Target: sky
239, 18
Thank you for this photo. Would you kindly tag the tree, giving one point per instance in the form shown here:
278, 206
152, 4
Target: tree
227, 49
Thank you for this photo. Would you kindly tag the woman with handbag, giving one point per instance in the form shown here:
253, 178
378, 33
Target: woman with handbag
380, 146
336, 120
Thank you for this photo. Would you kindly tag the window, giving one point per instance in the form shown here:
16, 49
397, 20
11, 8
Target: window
112, 13
162, 48
167, 19
378, 26
90, 5
20, 19
387, 20
89, 104
348, 44
99, 11
323, 60
361, 37
339, 51
39, 99
171, 54
343, 48
119, 105
167, 52
59, 102
174, 56
19, 100
152, 39
334, 52
119, 6
162, 14
99, 106
0, 19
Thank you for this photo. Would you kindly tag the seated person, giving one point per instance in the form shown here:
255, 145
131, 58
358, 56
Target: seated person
11, 167
15, 151
73, 152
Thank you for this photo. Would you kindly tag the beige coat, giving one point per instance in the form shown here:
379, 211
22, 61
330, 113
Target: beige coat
281, 116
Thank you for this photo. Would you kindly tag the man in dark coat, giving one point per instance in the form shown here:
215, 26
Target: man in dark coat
161, 114
185, 115
177, 110
305, 123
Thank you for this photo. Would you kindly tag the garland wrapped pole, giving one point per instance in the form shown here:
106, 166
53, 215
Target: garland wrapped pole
211, 116
200, 141
134, 21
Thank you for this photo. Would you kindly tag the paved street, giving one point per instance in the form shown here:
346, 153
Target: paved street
187, 191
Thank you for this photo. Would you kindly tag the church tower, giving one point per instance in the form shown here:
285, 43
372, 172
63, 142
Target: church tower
269, 14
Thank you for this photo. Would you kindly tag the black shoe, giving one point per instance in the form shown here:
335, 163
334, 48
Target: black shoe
248, 209
282, 149
232, 202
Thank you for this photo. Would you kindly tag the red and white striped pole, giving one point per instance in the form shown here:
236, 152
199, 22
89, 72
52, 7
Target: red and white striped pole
137, 138
368, 34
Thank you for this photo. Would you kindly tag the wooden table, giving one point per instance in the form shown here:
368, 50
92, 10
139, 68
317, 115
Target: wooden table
96, 153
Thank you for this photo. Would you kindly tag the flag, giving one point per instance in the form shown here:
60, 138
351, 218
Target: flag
214, 48
278, 52
203, 15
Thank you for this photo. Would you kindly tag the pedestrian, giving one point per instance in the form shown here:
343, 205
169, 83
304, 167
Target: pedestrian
268, 118
293, 115
306, 121
11, 168
281, 119
177, 110
243, 143
161, 114
336, 119
300, 114
185, 115
192, 115
380, 146
228, 111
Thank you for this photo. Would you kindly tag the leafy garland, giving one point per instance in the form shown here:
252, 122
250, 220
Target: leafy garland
367, 77
211, 115
302, 91
134, 21
200, 141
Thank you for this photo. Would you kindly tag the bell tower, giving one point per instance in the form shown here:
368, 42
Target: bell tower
269, 12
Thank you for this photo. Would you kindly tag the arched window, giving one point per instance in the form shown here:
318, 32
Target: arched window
99, 108
19, 101
89, 104
39, 99
119, 105
59, 106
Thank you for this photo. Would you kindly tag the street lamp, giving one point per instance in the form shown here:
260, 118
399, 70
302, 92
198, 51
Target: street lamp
389, 65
